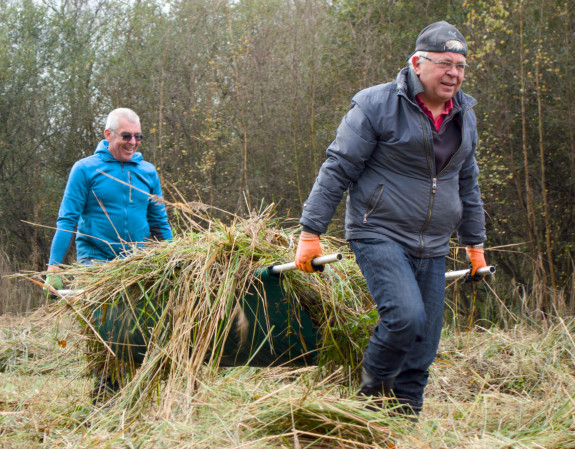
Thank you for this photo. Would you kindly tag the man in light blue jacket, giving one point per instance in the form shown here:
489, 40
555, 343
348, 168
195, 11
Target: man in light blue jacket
112, 202
405, 154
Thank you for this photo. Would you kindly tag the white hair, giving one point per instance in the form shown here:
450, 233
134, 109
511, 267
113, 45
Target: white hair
116, 114
419, 54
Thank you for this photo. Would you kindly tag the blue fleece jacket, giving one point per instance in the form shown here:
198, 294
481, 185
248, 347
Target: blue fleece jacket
108, 203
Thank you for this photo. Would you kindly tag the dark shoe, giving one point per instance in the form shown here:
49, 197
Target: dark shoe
405, 410
380, 390
104, 389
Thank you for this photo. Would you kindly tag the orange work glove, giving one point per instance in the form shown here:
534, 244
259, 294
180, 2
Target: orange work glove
308, 249
477, 258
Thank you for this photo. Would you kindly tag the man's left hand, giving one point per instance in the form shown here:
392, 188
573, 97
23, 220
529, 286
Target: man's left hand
476, 257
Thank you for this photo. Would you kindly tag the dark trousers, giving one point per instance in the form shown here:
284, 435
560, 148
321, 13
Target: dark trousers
409, 293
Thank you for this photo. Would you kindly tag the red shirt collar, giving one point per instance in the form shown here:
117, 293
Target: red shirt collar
425, 109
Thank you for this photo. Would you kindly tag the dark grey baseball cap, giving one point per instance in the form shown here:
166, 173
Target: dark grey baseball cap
441, 37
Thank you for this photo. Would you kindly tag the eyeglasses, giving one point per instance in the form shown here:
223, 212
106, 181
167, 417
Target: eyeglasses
126, 137
446, 65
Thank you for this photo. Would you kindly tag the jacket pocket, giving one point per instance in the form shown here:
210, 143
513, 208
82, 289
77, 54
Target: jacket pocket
372, 203
447, 212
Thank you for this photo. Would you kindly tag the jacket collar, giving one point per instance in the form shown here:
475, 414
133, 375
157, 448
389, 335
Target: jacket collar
408, 84
414, 84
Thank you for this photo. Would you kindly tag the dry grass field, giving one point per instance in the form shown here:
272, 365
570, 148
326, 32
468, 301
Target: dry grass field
489, 388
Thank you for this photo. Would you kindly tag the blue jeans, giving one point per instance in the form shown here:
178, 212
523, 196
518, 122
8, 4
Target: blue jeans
409, 293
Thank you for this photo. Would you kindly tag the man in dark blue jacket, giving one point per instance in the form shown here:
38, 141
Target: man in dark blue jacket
111, 199
405, 154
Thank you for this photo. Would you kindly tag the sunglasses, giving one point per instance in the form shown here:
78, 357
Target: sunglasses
126, 137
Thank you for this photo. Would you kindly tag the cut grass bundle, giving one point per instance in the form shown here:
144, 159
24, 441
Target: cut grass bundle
170, 309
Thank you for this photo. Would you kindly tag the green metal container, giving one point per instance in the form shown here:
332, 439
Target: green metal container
282, 334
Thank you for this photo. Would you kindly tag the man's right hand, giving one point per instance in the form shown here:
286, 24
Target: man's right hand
308, 249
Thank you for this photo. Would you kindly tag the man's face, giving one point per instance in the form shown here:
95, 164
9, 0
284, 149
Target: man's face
123, 150
438, 83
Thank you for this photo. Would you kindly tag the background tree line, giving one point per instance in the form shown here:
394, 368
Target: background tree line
239, 99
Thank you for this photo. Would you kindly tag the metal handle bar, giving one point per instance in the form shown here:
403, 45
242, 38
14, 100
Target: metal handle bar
459, 273
275, 269
69, 292
321, 260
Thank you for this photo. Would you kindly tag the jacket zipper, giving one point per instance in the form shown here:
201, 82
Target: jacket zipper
431, 164
130, 188
434, 179
434, 182
369, 211
433, 190
124, 170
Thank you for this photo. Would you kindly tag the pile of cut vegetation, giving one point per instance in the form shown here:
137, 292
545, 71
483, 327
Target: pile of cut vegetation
173, 312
